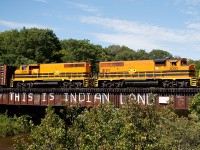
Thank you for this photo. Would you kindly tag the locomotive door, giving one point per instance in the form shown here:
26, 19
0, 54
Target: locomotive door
160, 66
106, 73
34, 70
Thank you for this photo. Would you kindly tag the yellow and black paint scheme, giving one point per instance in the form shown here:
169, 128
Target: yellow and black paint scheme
167, 73
159, 73
55, 74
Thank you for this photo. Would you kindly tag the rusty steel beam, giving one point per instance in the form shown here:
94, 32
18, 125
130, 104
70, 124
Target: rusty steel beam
89, 97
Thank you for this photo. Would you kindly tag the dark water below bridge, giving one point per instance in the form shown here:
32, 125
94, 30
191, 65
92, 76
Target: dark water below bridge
6, 143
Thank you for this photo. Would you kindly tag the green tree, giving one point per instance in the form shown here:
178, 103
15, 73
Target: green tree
159, 54
194, 106
116, 52
182, 133
8, 44
196, 62
28, 46
112, 51
141, 54
82, 50
96, 128
38, 44
10, 126
133, 126
50, 134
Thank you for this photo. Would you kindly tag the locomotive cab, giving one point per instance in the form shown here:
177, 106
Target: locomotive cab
28, 69
22, 69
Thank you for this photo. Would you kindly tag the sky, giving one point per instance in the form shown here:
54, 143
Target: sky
170, 25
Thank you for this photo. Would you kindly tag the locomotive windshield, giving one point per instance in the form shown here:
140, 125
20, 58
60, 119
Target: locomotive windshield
184, 63
24, 67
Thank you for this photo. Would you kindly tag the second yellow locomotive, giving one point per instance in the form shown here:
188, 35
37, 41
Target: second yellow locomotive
152, 73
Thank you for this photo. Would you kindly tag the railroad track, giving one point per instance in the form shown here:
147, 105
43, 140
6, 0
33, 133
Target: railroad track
103, 90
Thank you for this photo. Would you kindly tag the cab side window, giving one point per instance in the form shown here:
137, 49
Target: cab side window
173, 63
183, 63
24, 67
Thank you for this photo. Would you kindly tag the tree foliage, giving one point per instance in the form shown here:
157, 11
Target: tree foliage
159, 54
10, 126
28, 46
194, 106
50, 134
196, 62
133, 126
116, 52
82, 50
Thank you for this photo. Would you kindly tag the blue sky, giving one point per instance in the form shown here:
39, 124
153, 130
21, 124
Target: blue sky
171, 25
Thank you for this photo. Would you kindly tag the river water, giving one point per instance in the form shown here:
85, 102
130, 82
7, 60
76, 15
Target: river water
6, 143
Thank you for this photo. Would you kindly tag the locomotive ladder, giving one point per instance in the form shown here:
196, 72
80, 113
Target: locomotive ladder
193, 82
2, 75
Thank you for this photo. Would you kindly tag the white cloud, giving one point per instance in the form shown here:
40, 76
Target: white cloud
83, 7
191, 11
11, 24
137, 35
136, 28
134, 42
193, 25
191, 7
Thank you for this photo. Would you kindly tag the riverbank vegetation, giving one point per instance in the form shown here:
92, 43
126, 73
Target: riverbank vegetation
134, 126
10, 126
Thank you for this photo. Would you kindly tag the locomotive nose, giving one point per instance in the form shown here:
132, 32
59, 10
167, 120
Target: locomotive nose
191, 67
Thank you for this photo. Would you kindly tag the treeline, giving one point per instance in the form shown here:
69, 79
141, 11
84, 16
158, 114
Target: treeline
34, 45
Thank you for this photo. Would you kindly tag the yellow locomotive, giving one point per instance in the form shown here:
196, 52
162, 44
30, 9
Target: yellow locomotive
137, 73
142, 73
65, 75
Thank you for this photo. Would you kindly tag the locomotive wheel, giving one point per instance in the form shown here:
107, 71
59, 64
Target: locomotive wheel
181, 84
71, 85
29, 85
65, 84
175, 84
19, 85
78, 84
104, 84
24, 85
111, 84
119, 84
187, 84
